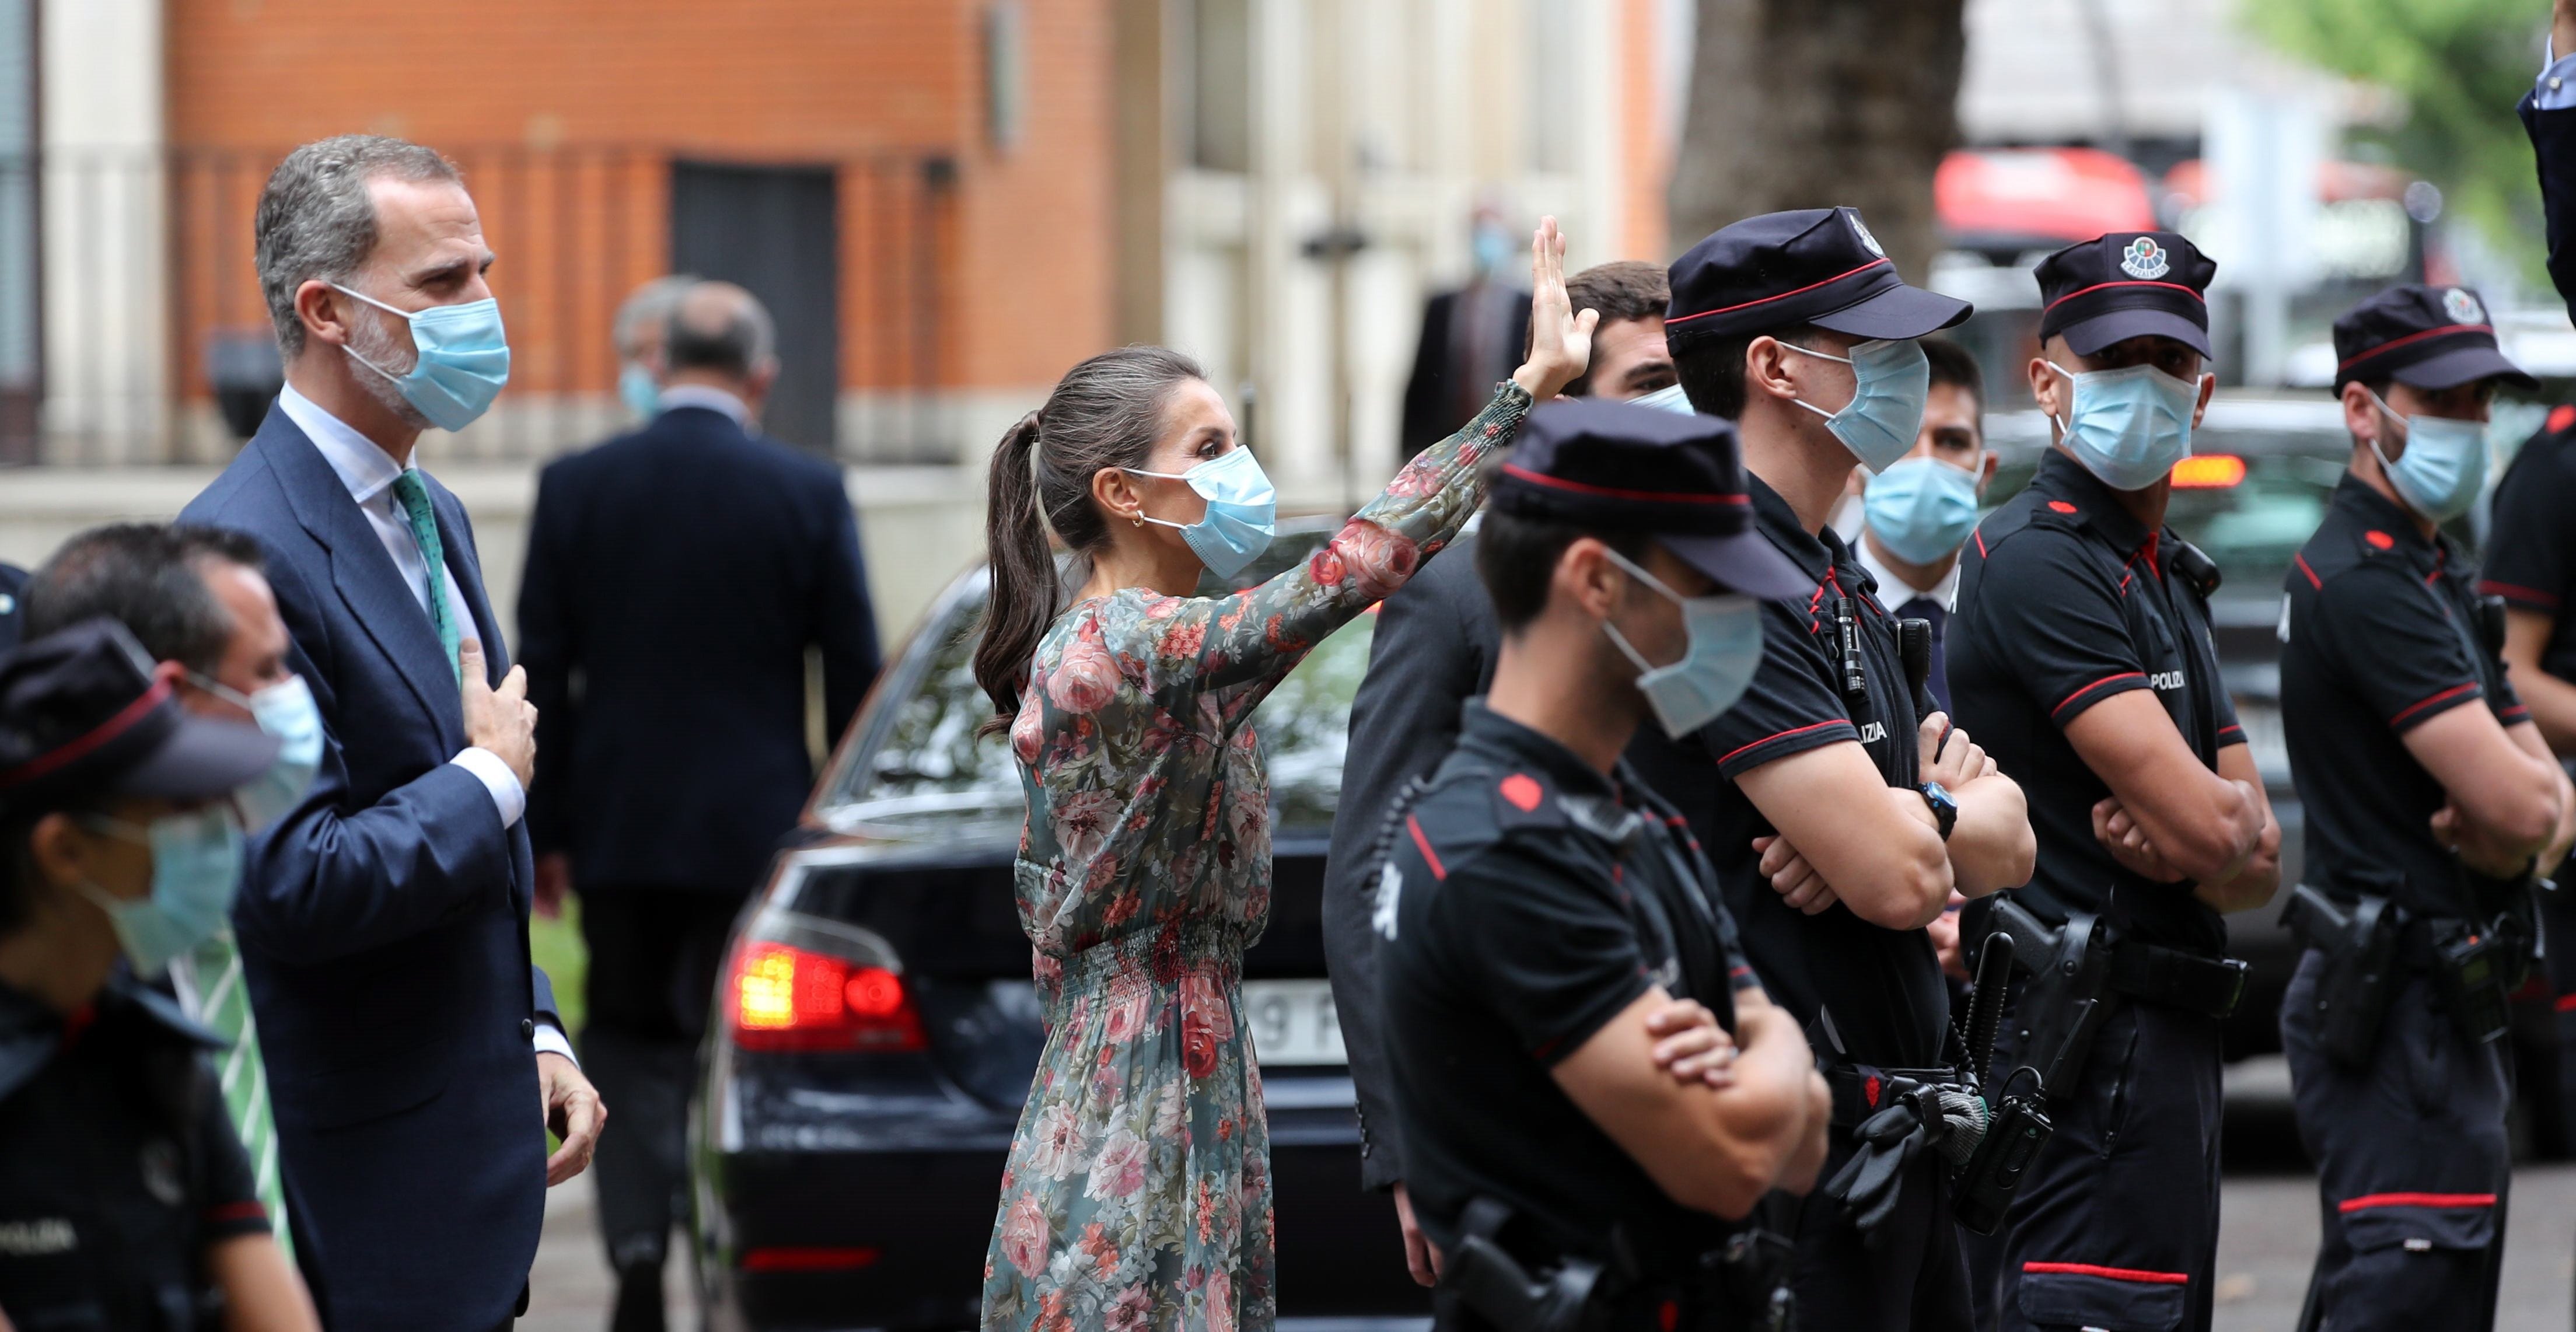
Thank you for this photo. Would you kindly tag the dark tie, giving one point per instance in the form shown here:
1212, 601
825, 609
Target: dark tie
1925, 608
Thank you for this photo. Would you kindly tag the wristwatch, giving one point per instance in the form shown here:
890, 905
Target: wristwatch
1944, 809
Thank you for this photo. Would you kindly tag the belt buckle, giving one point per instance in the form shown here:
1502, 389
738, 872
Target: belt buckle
2236, 969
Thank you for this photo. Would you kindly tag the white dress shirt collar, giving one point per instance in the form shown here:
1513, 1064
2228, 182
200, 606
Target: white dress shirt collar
709, 397
361, 466
1893, 589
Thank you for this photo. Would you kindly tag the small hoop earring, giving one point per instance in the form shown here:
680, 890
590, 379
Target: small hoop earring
1135, 520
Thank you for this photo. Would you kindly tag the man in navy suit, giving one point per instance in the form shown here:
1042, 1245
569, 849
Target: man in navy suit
384, 922
2549, 116
680, 573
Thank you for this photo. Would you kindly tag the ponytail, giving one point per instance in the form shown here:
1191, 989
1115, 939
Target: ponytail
1025, 587
1106, 412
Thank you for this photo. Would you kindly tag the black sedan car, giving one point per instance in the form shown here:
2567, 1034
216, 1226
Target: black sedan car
876, 1029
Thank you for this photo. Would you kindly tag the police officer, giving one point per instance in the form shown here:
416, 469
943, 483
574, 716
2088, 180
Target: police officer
125, 1198
2082, 656
1838, 810
1590, 1083
2530, 566
2428, 795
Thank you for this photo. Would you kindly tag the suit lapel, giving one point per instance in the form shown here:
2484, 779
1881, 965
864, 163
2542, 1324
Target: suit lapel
362, 573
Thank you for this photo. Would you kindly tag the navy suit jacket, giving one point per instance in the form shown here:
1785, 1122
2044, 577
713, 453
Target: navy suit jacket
384, 929
2553, 142
680, 573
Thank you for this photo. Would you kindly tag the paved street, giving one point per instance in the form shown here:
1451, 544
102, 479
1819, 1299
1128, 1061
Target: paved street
2267, 1239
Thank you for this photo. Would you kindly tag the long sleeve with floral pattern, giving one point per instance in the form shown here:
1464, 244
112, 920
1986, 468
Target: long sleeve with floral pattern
1137, 1193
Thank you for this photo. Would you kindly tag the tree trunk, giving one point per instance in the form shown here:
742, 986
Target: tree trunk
1814, 103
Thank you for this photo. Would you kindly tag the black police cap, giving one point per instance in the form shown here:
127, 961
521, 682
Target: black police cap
2423, 337
1815, 266
2126, 284
1618, 467
85, 712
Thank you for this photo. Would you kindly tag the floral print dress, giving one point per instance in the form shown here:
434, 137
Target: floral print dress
1137, 1194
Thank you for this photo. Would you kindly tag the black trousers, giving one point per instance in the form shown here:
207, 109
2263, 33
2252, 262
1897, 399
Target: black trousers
2116, 1224
2412, 1166
654, 958
1904, 1276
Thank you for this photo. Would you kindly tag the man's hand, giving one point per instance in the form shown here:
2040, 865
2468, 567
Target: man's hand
501, 720
1560, 337
1796, 881
1947, 755
1691, 1046
572, 1108
1945, 940
554, 884
2128, 844
2478, 849
1420, 1254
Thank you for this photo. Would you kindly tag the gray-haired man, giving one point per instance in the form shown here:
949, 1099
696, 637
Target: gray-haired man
383, 922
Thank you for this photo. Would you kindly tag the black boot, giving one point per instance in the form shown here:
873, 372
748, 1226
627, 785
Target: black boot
639, 1299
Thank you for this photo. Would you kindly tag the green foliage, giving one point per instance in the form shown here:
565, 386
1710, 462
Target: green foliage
2460, 66
557, 947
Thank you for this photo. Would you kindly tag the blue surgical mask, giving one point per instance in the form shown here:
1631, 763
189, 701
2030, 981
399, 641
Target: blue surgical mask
1921, 508
2129, 426
1724, 650
285, 710
1890, 381
635, 388
464, 359
1492, 248
1242, 507
196, 867
1669, 398
2444, 465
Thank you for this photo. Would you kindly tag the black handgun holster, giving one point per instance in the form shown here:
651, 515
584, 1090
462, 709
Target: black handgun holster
2359, 942
2067, 994
1483, 1286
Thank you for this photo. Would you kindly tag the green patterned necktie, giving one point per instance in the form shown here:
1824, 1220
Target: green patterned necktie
414, 496
208, 979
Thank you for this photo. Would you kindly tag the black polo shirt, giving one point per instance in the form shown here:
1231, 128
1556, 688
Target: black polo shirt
2381, 636
1525, 901
118, 1166
2531, 550
1882, 987
2065, 599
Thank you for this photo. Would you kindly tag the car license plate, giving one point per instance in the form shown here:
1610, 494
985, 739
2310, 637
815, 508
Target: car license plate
1291, 1022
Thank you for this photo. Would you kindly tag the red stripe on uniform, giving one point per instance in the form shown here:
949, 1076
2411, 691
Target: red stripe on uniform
1423, 845
2394, 343
1781, 297
2108, 679
2111, 1273
1783, 735
2567, 1003
1643, 496
2533, 594
2370, 1200
2301, 560
247, 1210
2453, 692
2101, 286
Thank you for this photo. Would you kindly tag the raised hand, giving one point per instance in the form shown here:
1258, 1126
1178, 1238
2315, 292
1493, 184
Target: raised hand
1560, 337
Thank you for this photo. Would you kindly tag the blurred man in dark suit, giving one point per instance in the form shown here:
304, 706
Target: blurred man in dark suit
2549, 116
1471, 338
676, 578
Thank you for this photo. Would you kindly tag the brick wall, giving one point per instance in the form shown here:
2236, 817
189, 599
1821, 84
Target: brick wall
1026, 261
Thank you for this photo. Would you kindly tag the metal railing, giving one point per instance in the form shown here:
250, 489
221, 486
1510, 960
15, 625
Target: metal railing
126, 274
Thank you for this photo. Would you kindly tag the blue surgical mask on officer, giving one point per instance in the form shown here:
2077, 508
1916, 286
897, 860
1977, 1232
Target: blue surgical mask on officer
2444, 465
1921, 508
2129, 426
196, 868
285, 710
1724, 650
1242, 509
1890, 383
463, 359
1669, 398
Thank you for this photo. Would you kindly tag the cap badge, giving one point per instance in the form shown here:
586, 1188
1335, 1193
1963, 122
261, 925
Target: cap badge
1861, 229
2462, 307
2144, 259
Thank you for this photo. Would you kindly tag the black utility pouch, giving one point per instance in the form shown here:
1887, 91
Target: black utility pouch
2067, 996
1983, 1191
1747, 1281
2469, 967
1484, 1282
2359, 943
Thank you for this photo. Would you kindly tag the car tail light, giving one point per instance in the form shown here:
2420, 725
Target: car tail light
782, 997
2208, 471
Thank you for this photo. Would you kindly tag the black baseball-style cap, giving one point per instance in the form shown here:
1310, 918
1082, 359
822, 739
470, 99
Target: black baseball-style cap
2126, 284
86, 712
1815, 266
1618, 467
2422, 337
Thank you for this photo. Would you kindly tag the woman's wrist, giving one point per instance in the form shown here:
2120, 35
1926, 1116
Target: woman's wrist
1541, 383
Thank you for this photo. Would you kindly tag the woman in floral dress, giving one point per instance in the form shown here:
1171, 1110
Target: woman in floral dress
1137, 1194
